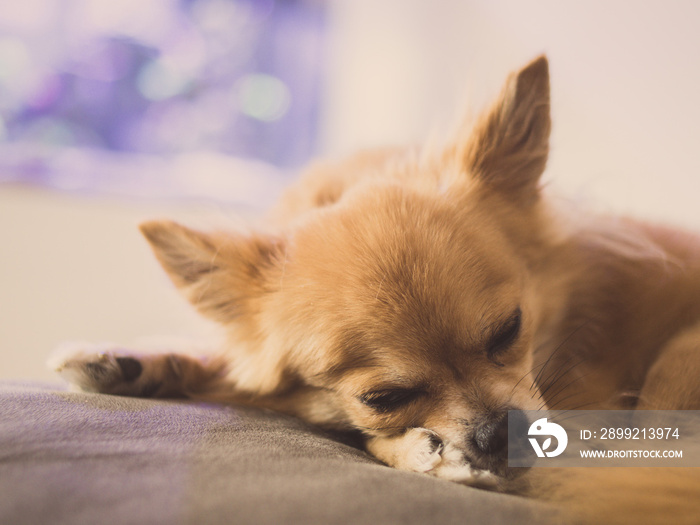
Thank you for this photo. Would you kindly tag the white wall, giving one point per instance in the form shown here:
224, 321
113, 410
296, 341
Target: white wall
77, 268
625, 79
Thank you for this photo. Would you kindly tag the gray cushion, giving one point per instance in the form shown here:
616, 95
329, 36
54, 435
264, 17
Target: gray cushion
79, 458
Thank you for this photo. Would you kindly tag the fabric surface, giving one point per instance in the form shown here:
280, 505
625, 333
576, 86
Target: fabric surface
77, 458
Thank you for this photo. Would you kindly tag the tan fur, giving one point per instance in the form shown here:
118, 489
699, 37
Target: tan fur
406, 270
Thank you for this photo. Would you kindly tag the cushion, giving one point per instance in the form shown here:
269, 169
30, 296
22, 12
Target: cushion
79, 458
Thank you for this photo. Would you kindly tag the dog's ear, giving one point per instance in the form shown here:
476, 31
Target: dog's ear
221, 274
508, 147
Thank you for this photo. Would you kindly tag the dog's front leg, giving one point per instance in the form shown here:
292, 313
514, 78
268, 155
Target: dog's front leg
417, 450
422, 450
110, 369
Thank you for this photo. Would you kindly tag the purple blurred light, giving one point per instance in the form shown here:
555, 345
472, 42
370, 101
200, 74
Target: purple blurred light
237, 77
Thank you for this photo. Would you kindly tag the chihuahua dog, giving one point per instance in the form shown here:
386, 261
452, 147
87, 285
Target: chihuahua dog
418, 295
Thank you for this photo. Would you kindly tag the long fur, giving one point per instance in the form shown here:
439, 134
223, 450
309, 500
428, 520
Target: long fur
416, 295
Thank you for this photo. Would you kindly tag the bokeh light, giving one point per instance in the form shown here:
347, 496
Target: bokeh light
235, 78
160, 80
262, 97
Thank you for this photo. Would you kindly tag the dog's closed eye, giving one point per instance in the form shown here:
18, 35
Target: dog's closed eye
504, 337
388, 400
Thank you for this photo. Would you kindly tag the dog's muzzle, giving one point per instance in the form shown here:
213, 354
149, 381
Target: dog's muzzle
488, 438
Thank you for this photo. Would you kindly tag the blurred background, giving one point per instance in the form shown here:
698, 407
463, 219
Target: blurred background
203, 110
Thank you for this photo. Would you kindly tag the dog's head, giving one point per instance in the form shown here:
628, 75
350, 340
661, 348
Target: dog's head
406, 301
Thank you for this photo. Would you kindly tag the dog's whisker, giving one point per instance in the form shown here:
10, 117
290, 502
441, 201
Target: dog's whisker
526, 374
557, 349
579, 407
559, 377
554, 406
563, 389
539, 366
538, 391
553, 373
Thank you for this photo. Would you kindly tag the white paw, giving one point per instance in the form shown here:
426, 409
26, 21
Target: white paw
423, 448
454, 467
416, 449
93, 367
466, 475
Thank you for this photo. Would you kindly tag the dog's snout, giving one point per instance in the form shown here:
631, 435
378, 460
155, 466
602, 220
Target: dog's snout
491, 435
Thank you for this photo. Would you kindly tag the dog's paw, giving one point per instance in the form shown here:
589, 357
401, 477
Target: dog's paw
423, 450
417, 449
461, 471
102, 368
424, 447
455, 466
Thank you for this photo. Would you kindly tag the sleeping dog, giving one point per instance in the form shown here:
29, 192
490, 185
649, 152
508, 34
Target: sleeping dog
418, 294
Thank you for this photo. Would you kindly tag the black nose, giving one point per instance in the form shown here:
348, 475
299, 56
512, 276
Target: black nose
491, 435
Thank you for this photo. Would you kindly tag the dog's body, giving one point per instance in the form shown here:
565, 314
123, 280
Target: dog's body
418, 295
